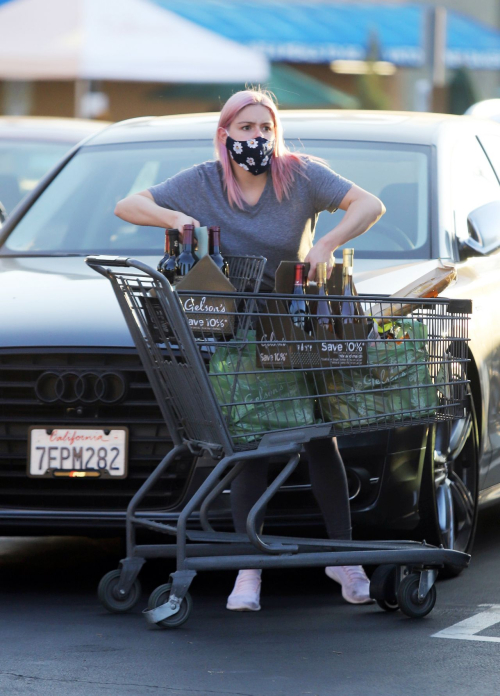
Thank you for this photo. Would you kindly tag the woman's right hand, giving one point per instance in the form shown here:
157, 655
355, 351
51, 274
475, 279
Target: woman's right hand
179, 220
141, 209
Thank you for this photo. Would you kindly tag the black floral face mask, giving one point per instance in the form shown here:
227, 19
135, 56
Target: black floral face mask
252, 155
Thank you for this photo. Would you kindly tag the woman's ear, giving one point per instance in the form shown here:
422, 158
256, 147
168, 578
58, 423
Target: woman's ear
221, 135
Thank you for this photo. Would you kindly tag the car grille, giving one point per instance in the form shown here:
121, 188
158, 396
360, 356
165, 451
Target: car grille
148, 438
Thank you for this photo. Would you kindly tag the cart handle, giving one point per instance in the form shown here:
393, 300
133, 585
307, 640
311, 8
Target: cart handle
119, 261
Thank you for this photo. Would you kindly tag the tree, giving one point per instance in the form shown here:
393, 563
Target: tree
461, 92
370, 91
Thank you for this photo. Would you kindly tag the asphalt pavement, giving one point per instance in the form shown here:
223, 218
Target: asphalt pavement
56, 639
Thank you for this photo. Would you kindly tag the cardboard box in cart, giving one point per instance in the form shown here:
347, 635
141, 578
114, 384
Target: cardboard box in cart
283, 344
206, 313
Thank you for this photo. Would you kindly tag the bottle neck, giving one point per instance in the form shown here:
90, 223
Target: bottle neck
347, 279
299, 275
167, 242
348, 259
173, 243
321, 273
187, 238
214, 243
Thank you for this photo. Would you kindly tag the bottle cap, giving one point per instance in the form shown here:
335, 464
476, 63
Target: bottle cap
321, 273
348, 257
299, 272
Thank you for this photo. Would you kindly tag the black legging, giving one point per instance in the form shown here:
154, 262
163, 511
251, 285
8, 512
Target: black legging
329, 485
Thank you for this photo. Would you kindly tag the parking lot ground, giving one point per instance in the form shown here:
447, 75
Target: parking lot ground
57, 640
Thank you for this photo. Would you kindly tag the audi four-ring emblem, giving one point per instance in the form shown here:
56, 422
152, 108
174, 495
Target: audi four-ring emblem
81, 387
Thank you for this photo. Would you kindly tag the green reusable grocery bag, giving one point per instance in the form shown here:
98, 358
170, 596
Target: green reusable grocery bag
395, 385
236, 378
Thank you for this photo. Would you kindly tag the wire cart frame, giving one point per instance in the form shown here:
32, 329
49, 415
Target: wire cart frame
259, 382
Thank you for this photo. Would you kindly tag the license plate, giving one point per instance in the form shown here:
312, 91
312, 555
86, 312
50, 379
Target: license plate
77, 452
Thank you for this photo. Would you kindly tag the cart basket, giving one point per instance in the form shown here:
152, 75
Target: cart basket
236, 369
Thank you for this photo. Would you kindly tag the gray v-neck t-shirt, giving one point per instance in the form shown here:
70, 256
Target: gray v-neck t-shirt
279, 231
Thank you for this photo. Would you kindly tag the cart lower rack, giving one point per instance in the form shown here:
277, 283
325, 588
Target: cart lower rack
242, 376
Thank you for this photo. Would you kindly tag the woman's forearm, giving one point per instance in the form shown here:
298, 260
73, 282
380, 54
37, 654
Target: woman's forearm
358, 218
141, 210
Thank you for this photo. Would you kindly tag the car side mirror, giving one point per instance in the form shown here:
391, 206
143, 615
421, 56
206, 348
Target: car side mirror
484, 231
3, 213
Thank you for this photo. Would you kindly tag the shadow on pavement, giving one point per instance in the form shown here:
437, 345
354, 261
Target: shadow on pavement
81, 562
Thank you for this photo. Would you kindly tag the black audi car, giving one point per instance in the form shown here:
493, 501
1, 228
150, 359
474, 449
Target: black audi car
70, 372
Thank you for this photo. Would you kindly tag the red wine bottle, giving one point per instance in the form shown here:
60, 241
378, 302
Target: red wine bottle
164, 258
298, 306
214, 250
187, 258
168, 264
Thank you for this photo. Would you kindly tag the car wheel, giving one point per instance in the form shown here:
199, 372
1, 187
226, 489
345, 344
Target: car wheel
448, 496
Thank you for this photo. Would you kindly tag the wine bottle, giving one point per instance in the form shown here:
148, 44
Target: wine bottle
168, 264
187, 258
298, 306
214, 250
323, 312
429, 285
348, 305
164, 258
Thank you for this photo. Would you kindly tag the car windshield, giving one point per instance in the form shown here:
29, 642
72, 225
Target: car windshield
22, 165
75, 213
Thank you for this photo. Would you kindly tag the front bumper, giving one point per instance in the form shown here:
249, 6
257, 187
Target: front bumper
386, 466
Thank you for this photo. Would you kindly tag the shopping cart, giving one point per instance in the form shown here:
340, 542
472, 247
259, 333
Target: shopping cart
261, 382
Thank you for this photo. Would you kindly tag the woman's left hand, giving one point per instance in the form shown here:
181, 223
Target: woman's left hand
320, 253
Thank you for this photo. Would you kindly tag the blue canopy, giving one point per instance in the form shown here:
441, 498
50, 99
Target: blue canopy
321, 32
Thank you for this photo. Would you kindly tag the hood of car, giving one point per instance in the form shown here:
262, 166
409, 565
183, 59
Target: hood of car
58, 302
61, 302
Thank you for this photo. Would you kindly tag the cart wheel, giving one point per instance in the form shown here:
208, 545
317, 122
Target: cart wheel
408, 600
160, 596
383, 587
113, 602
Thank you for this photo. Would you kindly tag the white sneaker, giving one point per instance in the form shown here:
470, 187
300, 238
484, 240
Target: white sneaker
355, 584
246, 592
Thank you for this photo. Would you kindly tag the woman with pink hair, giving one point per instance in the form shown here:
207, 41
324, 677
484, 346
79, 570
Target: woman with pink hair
267, 200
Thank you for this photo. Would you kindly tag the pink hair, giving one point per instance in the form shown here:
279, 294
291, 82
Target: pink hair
284, 164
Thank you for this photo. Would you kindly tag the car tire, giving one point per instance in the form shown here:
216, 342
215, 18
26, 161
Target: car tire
450, 482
